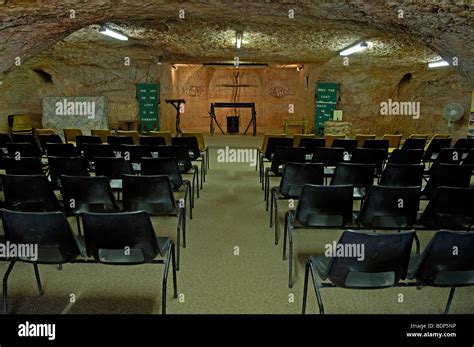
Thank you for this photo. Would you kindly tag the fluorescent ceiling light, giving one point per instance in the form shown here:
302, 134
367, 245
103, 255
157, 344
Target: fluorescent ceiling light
438, 63
238, 40
112, 33
355, 48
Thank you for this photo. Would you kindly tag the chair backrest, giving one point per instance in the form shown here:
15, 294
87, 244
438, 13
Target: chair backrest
164, 134
132, 133
448, 260
70, 134
4, 139
49, 230
39, 132
92, 151
469, 159
23, 166
45, 139
383, 263
419, 136
163, 166
134, 153
402, 175
112, 168
285, 155
369, 156
117, 141
18, 150
107, 236
434, 147
88, 194
180, 153
394, 140
59, 166
467, 144
358, 175
297, 138
325, 206
26, 138
310, 143
296, 175
263, 147
274, 142
61, 150
449, 208
153, 142
448, 175
29, 193
328, 156
449, 156
152, 194
102, 133
406, 156
390, 207
199, 137
81, 140
22, 124
414, 143
362, 137
349, 145
331, 137
378, 144
190, 142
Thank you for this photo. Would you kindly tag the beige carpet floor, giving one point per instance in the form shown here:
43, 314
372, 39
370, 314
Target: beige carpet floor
213, 279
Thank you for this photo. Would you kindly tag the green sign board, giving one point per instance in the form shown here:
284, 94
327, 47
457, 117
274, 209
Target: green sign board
148, 95
327, 95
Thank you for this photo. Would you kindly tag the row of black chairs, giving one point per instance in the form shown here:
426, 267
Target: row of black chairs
387, 262
126, 238
384, 208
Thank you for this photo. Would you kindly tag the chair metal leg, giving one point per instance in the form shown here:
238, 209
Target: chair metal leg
163, 290
78, 221
318, 293
305, 288
183, 218
276, 222
5, 286
173, 264
285, 235
178, 245
290, 263
271, 209
417, 241
38, 279
450, 299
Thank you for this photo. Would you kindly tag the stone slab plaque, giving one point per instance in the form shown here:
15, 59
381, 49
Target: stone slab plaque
83, 112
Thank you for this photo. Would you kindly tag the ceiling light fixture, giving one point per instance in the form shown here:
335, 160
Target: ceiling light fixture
355, 48
112, 33
438, 63
238, 39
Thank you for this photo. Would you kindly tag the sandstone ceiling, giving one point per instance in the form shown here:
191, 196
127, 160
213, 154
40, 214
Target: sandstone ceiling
207, 33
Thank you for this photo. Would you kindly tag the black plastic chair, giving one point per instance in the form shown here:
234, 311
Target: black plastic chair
61, 150
49, 230
45, 139
383, 263
449, 208
318, 207
154, 195
469, 158
92, 151
378, 144
393, 208
467, 144
448, 175
311, 143
4, 139
414, 144
195, 154
153, 142
272, 144
134, 153
184, 163
27, 138
59, 166
113, 169
375, 156
361, 176
329, 157
282, 156
29, 193
446, 156
294, 177
128, 239
438, 266
349, 145
117, 141
23, 149
406, 156
169, 167
434, 147
82, 140
23, 166
402, 175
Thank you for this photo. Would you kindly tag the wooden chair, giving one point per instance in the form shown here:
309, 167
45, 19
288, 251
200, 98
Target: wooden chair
362, 137
102, 133
70, 135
